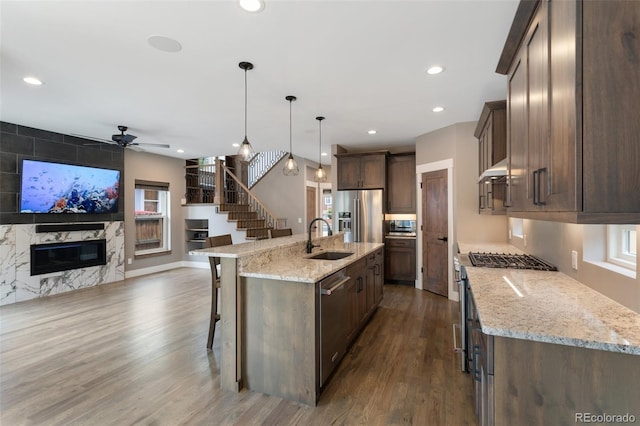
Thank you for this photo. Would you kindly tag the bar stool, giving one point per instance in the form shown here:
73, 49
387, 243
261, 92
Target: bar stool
275, 233
214, 263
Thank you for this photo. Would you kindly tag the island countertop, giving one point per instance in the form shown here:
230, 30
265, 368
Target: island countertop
549, 307
285, 258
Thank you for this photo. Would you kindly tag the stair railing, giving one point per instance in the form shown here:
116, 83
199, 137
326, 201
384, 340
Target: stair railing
261, 163
236, 192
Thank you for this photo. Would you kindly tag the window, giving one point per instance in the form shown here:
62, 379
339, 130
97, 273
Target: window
621, 245
152, 215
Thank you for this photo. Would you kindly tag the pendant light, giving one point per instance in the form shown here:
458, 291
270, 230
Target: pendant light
246, 151
320, 175
290, 167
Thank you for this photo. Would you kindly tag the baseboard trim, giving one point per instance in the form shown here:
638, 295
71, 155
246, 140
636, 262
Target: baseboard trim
165, 267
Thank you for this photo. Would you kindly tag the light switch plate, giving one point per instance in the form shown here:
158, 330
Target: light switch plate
574, 260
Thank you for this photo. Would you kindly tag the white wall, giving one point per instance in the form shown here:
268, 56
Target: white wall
159, 168
554, 242
456, 142
456, 145
284, 195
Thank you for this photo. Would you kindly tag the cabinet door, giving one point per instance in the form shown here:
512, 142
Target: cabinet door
352, 308
361, 292
563, 193
518, 136
400, 261
401, 184
348, 173
373, 171
537, 52
378, 288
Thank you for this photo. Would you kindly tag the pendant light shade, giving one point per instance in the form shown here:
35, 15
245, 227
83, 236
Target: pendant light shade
320, 175
246, 151
290, 167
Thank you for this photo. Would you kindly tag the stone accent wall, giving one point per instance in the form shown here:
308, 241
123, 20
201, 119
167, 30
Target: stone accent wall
16, 282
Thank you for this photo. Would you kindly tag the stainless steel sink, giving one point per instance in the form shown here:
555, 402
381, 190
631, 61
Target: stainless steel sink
330, 255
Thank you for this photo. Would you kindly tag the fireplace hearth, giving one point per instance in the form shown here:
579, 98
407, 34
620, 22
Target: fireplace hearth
55, 257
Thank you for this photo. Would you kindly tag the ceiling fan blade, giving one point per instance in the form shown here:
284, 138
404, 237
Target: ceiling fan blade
128, 138
159, 145
91, 138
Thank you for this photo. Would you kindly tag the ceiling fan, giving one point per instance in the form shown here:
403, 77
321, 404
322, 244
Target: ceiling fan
122, 139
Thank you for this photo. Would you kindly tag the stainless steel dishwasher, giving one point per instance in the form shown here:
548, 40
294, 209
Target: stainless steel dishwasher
333, 332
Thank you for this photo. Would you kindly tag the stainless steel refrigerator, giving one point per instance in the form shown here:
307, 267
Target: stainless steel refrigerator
361, 212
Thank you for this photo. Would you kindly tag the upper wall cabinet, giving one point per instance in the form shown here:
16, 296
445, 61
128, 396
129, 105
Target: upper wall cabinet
572, 111
362, 171
401, 183
491, 132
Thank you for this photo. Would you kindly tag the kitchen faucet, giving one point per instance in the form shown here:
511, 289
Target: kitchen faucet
310, 245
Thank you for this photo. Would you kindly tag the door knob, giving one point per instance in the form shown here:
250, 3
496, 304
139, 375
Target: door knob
443, 239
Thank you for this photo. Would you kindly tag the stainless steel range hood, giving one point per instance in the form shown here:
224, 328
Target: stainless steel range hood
497, 171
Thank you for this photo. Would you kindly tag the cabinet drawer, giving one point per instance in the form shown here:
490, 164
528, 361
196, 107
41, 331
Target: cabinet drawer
400, 242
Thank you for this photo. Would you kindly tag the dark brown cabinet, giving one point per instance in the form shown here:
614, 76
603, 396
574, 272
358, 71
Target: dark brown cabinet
400, 260
491, 132
363, 291
401, 183
572, 111
361, 171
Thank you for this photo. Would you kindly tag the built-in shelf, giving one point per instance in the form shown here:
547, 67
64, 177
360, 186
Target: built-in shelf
196, 231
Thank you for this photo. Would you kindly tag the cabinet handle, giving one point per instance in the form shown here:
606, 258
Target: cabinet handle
540, 171
535, 187
480, 202
474, 368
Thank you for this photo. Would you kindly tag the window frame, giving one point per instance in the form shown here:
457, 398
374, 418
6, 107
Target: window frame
164, 214
620, 239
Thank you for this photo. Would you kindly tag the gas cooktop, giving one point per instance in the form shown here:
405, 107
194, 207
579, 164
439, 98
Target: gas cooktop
515, 261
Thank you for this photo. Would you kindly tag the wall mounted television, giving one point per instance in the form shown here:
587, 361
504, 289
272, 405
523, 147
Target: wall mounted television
49, 187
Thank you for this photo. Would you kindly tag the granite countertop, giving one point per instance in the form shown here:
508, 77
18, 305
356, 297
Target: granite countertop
251, 247
296, 266
551, 307
285, 258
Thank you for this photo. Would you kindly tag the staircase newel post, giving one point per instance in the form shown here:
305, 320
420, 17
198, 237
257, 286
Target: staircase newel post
218, 195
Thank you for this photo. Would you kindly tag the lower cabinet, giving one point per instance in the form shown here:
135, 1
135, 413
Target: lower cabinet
518, 382
364, 291
400, 260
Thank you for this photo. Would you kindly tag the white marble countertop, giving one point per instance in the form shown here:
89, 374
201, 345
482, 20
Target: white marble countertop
550, 307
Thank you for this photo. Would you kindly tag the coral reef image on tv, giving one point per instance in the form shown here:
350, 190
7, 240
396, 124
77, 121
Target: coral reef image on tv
65, 188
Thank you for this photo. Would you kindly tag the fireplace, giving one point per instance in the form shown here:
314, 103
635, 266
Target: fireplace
55, 257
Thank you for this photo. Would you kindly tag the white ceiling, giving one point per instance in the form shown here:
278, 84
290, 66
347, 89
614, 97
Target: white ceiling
361, 64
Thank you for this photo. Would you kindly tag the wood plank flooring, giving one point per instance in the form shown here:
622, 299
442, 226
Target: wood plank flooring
133, 353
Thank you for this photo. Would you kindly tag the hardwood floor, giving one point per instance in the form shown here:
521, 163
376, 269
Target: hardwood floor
134, 352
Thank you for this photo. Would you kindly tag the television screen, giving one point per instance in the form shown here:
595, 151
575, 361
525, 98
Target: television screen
66, 188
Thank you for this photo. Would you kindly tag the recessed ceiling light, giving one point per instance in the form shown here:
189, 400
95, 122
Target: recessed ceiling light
164, 44
372, 132
32, 80
180, 151
252, 5
436, 69
235, 145
438, 109
324, 154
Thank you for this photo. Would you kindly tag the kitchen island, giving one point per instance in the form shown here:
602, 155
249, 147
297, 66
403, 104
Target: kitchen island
271, 310
553, 348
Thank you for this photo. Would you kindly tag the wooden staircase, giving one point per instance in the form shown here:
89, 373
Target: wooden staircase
246, 220
214, 183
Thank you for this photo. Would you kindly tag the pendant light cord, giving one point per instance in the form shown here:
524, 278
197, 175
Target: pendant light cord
320, 145
245, 104
290, 143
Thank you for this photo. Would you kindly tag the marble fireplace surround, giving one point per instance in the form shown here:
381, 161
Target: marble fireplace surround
16, 282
